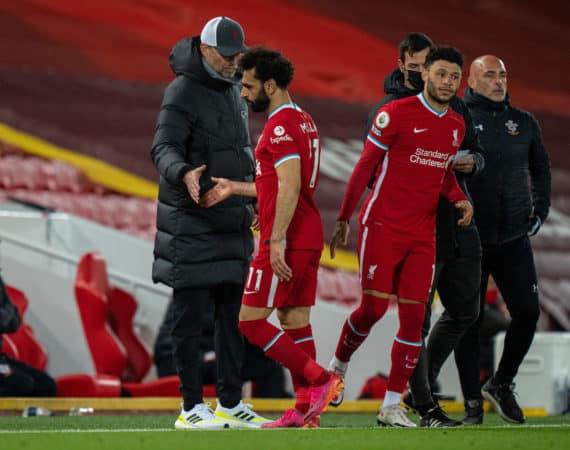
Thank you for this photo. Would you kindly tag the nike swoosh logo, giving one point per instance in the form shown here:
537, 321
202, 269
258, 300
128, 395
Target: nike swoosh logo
420, 130
249, 292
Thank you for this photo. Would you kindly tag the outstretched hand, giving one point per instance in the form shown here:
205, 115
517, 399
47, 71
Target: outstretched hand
222, 189
466, 212
255, 223
192, 182
339, 236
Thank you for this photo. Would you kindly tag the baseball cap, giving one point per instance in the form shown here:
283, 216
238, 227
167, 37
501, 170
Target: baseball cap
225, 34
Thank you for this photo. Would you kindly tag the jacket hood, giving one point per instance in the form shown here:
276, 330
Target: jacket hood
474, 100
394, 85
186, 59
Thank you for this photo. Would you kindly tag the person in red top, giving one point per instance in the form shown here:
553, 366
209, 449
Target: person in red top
283, 275
412, 143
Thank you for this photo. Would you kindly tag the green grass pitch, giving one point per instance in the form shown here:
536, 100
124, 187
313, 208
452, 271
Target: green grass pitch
338, 431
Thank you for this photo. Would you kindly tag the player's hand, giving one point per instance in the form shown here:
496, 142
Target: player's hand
339, 236
465, 164
255, 223
277, 260
466, 212
222, 189
192, 182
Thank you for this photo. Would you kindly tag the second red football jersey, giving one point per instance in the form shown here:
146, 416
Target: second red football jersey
416, 145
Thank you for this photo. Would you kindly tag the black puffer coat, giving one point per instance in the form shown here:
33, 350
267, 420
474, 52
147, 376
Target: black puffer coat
516, 180
202, 120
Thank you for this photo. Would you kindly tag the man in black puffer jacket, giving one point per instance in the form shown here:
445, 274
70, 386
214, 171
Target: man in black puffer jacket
512, 198
458, 249
204, 253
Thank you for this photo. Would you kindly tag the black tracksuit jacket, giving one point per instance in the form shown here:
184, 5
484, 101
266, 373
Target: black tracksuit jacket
515, 184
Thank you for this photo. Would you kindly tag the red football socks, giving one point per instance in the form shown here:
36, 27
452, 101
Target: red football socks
358, 325
407, 345
278, 346
303, 337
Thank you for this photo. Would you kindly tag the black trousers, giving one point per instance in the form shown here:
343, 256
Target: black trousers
189, 306
18, 379
457, 282
267, 374
512, 266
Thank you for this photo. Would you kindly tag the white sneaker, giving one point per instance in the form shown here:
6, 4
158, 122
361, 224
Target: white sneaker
339, 367
199, 417
394, 416
240, 416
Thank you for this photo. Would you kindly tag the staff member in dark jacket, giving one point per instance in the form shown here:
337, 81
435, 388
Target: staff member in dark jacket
508, 211
204, 253
458, 249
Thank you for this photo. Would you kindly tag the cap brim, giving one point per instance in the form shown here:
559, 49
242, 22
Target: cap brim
225, 50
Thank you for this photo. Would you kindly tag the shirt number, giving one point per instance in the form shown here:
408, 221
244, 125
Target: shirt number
316, 152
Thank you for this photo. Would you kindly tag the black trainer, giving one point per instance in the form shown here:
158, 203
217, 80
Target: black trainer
408, 402
502, 397
473, 412
436, 418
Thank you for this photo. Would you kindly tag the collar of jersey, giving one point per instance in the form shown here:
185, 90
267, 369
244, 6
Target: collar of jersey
279, 108
427, 105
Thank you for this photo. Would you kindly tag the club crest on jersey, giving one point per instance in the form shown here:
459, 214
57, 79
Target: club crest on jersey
382, 120
455, 142
371, 269
512, 127
279, 130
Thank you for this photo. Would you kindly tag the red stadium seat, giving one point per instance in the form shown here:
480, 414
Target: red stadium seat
19, 300
88, 386
163, 387
24, 347
122, 308
374, 387
30, 350
91, 286
97, 303
9, 348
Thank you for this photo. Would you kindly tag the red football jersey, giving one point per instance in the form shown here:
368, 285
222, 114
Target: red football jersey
413, 147
289, 133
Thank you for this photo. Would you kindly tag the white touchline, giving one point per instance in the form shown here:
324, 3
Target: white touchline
93, 430
153, 430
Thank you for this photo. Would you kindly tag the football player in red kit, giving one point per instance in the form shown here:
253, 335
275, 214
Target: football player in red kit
412, 143
283, 275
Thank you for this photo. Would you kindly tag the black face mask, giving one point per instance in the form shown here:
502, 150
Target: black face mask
415, 79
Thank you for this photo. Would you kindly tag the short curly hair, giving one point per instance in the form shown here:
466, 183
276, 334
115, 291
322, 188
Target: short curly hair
449, 54
268, 64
